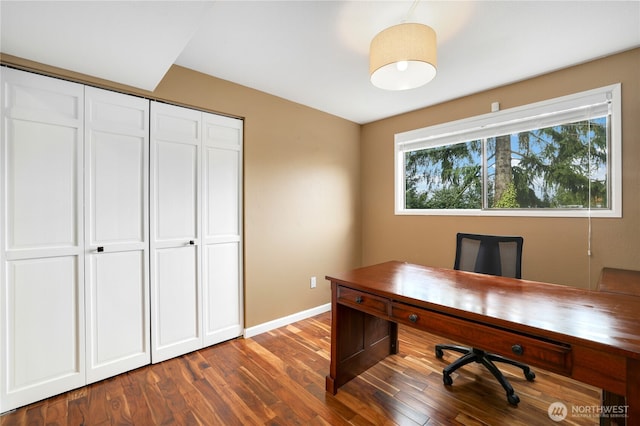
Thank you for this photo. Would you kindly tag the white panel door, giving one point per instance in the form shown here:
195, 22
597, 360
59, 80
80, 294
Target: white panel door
117, 243
41, 253
176, 314
222, 207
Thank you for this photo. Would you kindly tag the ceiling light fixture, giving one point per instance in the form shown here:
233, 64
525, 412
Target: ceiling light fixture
403, 56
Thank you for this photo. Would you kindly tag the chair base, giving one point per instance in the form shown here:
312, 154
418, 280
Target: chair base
487, 359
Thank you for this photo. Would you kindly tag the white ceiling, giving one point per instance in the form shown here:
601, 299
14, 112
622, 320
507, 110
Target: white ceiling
316, 52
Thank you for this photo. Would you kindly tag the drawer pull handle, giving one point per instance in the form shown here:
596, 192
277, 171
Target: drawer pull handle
191, 242
100, 249
358, 299
517, 349
413, 318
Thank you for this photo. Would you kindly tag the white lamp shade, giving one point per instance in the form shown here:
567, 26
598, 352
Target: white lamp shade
403, 57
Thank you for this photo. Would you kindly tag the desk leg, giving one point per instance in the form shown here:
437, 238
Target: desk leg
633, 391
358, 341
610, 399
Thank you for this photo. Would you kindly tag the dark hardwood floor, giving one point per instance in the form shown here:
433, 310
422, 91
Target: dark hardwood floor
278, 378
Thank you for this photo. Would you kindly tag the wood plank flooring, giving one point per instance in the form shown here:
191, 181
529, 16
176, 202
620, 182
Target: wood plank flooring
278, 378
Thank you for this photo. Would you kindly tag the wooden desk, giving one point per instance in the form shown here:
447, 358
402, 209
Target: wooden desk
590, 336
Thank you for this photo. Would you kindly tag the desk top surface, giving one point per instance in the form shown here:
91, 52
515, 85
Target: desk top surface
547, 310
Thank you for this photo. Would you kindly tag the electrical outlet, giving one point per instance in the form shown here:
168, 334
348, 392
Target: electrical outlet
313, 282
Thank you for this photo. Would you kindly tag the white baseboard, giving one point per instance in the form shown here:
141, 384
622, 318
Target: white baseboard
281, 322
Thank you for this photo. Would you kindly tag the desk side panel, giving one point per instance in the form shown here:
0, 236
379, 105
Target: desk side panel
358, 341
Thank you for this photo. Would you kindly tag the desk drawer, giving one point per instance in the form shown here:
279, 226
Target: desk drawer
552, 356
363, 301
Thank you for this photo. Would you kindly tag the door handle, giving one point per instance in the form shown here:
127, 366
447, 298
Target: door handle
100, 249
191, 242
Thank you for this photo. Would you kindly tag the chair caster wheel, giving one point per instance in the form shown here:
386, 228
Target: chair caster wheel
446, 378
513, 399
530, 375
439, 353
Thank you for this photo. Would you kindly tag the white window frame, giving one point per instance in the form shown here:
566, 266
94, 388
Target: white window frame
537, 115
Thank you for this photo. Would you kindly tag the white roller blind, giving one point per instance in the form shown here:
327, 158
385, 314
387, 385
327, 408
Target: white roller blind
568, 109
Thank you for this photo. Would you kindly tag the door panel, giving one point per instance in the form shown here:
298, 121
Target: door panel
116, 208
176, 174
118, 190
41, 99
117, 162
222, 204
175, 227
42, 212
222, 189
222, 169
224, 132
41, 228
118, 328
45, 332
178, 328
223, 315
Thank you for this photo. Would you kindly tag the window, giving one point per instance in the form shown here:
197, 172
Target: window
560, 157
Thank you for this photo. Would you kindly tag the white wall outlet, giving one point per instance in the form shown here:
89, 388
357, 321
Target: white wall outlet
313, 282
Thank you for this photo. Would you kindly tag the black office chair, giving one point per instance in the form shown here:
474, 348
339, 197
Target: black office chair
493, 255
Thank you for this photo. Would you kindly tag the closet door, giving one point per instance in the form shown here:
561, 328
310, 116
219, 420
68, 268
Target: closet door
116, 218
175, 227
221, 243
41, 258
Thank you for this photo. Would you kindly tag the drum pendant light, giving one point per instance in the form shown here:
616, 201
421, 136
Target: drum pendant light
403, 57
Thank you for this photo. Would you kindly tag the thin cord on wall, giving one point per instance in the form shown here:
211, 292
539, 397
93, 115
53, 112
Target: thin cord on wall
589, 204
589, 244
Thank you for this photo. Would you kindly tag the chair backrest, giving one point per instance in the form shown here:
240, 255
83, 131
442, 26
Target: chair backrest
489, 254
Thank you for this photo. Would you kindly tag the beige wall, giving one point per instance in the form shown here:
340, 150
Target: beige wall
301, 187
555, 249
